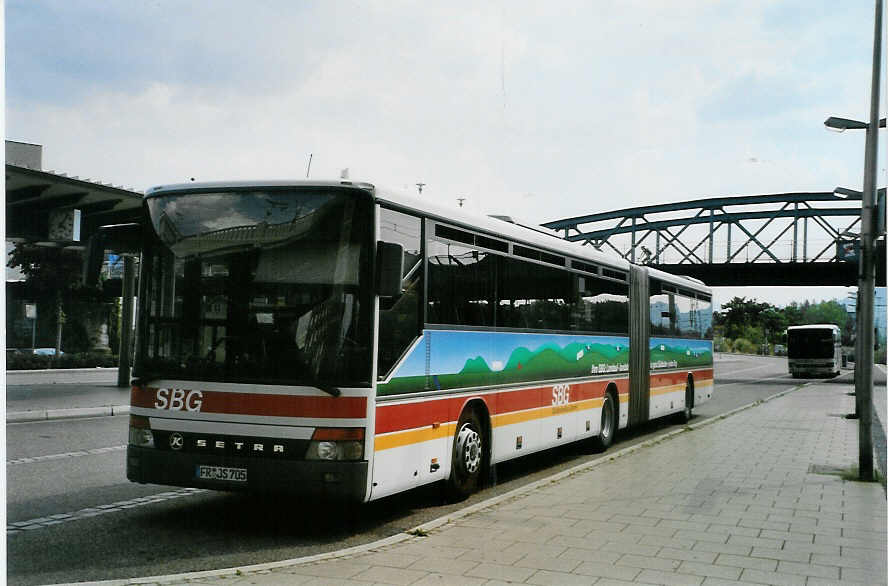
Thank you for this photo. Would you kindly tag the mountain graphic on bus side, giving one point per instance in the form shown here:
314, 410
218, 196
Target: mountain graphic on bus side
593, 355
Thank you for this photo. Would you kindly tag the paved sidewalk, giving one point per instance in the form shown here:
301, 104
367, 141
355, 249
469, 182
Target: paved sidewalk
754, 498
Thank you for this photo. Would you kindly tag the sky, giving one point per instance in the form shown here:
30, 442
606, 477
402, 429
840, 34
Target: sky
541, 110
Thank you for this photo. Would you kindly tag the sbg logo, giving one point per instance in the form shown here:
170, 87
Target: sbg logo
178, 400
560, 395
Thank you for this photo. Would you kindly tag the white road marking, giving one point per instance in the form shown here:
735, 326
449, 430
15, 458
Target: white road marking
77, 454
746, 369
44, 522
746, 382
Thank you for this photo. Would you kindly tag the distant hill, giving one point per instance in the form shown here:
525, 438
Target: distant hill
475, 366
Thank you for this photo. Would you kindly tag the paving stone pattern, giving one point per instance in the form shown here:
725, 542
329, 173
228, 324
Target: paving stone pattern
733, 502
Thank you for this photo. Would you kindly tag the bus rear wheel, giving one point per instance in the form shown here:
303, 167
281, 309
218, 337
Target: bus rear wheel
686, 414
467, 460
608, 427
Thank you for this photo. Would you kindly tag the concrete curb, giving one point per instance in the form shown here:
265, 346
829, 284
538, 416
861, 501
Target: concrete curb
99, 369
419, 531
61, 376
72, 413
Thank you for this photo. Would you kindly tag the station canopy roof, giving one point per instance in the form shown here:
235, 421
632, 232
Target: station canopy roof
52, 209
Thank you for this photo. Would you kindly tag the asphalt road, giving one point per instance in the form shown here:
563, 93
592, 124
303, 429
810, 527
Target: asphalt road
66, 481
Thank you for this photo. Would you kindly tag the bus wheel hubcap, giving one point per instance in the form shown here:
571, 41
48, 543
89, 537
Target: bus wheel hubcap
469, 442
606, 418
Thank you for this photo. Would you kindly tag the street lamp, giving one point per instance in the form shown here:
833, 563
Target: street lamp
843, 124
846, 193
863, 368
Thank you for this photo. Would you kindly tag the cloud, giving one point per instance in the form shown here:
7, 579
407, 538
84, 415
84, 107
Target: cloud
589, 106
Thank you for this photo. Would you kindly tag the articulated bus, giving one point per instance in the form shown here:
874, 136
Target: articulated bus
814, 350
341, 341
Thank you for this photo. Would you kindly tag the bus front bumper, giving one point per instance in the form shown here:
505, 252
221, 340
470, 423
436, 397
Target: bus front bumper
341, 481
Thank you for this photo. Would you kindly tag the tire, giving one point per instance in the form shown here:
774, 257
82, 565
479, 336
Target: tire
608, 427
468, 456
685, 415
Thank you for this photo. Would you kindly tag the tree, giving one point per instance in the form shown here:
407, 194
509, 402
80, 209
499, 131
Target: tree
773, 322
739, 314
53, 279
793, 314
47, 270
826, 312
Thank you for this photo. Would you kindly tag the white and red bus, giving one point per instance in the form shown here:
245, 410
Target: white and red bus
338, 340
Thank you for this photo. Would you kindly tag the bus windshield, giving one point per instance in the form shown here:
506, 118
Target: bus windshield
810, 343
258, 286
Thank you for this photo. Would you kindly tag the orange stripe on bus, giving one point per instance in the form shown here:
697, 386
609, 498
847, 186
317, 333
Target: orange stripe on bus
403, 438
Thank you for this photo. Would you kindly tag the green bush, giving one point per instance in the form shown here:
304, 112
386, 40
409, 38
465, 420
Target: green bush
744, 346
722, 344
21, 361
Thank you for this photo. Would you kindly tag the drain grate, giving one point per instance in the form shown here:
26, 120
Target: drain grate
825, 469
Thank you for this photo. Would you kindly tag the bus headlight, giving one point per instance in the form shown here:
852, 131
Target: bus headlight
336, 444
325, 450
140, 432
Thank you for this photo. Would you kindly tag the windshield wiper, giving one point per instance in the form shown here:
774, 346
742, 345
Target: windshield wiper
142, 379
333, 391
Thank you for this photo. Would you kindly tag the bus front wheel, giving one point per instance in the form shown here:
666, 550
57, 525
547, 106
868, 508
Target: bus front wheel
468, 456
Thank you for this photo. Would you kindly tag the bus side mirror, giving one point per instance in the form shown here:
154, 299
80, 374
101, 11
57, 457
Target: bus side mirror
390, 268
120, 238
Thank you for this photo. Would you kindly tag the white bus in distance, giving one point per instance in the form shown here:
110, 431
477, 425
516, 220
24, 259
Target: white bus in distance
814, 350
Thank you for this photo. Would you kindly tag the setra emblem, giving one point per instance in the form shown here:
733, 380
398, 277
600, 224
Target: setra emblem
177, 442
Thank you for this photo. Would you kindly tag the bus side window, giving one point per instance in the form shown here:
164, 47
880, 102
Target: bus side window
601, 306
399, 322
533, 296
462, 282
662, 311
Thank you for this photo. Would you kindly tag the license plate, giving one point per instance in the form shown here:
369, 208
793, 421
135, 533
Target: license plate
222, 473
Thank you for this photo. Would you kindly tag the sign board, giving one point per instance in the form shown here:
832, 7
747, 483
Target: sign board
848, 250
31, 310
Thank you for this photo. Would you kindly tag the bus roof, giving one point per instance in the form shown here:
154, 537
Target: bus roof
526, 233
814, 327
537, 236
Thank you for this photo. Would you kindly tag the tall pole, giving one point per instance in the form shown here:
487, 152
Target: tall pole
866, 285
126, 322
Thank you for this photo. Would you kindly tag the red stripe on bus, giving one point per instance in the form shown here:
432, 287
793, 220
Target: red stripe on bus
268, 405
674, 378
418, 414
423, 413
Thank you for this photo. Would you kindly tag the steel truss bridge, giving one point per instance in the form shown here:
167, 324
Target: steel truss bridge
777, 239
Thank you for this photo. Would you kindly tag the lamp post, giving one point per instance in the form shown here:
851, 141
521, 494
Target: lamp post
863, 379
